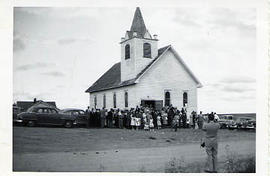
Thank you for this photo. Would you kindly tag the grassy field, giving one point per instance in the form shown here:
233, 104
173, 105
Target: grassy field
50, 139
81, 149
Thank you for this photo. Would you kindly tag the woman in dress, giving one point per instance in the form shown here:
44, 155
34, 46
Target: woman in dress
176, 120
164, 117
120, 118
132, 121
146, 122
158, 121
138, 121
151, 123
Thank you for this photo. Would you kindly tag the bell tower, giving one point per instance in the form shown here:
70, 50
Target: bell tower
138, 48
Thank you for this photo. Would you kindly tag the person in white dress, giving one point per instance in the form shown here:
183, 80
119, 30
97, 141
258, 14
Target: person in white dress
151, 123
133, 121
159, 121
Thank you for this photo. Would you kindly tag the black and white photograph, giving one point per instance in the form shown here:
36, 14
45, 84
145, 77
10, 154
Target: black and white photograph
136, 89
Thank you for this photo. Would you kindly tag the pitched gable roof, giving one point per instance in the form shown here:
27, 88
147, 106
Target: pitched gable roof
27, 104
199, 85
112, 78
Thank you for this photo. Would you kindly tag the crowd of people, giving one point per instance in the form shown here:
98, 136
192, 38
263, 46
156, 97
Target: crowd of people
145, 118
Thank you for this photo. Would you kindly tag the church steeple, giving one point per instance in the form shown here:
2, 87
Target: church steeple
138, 48
138, 25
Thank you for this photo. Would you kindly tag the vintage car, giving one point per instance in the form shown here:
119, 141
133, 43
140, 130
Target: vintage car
16, 111
251, 124
225, 121
232, 125
246, 123
81, 117
46, 116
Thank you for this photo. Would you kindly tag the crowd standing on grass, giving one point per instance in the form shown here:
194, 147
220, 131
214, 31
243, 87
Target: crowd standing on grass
146, 118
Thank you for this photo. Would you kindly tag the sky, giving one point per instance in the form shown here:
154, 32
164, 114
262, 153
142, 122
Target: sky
59, 52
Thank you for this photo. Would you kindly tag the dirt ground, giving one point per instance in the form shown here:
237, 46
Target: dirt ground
81, 149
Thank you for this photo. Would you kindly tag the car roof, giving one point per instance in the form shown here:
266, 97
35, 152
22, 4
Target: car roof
41, 107
245, 118
71, 109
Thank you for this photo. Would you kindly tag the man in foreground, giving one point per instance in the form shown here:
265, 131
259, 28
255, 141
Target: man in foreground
211, 144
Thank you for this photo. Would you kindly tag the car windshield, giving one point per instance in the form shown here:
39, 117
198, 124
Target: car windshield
81, 112
243, 119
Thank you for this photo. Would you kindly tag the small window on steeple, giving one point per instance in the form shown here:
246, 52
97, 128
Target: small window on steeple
127, 51
147, 50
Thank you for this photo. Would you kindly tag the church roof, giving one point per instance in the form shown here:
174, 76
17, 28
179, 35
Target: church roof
137, 25
112, 78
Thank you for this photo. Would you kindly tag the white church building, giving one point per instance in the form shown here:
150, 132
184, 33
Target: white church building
146, 76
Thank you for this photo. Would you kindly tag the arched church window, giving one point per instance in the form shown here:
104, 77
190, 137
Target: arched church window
95, 101
147, 50
185, 99
104, 101
126, 99
167, 98
114, 100
127, 51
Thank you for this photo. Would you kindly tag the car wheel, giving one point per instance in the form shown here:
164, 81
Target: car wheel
68, 124
31, 123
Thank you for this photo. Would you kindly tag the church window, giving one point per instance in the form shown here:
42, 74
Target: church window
126, 99
95, 101
127, 51
185, 99
114, 100
147, 50
104, 101
167, 98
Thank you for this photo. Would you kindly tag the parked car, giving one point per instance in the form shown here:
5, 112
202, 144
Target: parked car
81, 117
16, 111
46, 116
225, 121
232, 124
243, 123
251, 124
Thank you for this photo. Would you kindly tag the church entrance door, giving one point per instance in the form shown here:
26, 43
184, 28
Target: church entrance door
156, 104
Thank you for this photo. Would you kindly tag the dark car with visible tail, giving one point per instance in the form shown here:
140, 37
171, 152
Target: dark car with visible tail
81, 116
46, 116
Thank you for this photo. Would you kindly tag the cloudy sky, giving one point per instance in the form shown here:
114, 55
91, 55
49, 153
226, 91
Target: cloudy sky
60, 52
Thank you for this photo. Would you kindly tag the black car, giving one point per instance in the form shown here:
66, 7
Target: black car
81, 117
46, 116
16, 111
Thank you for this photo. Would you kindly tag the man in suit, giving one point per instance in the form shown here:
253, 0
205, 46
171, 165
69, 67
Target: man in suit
184, 118
102, 117
211, 144
110, 118
87, 112
200, 120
